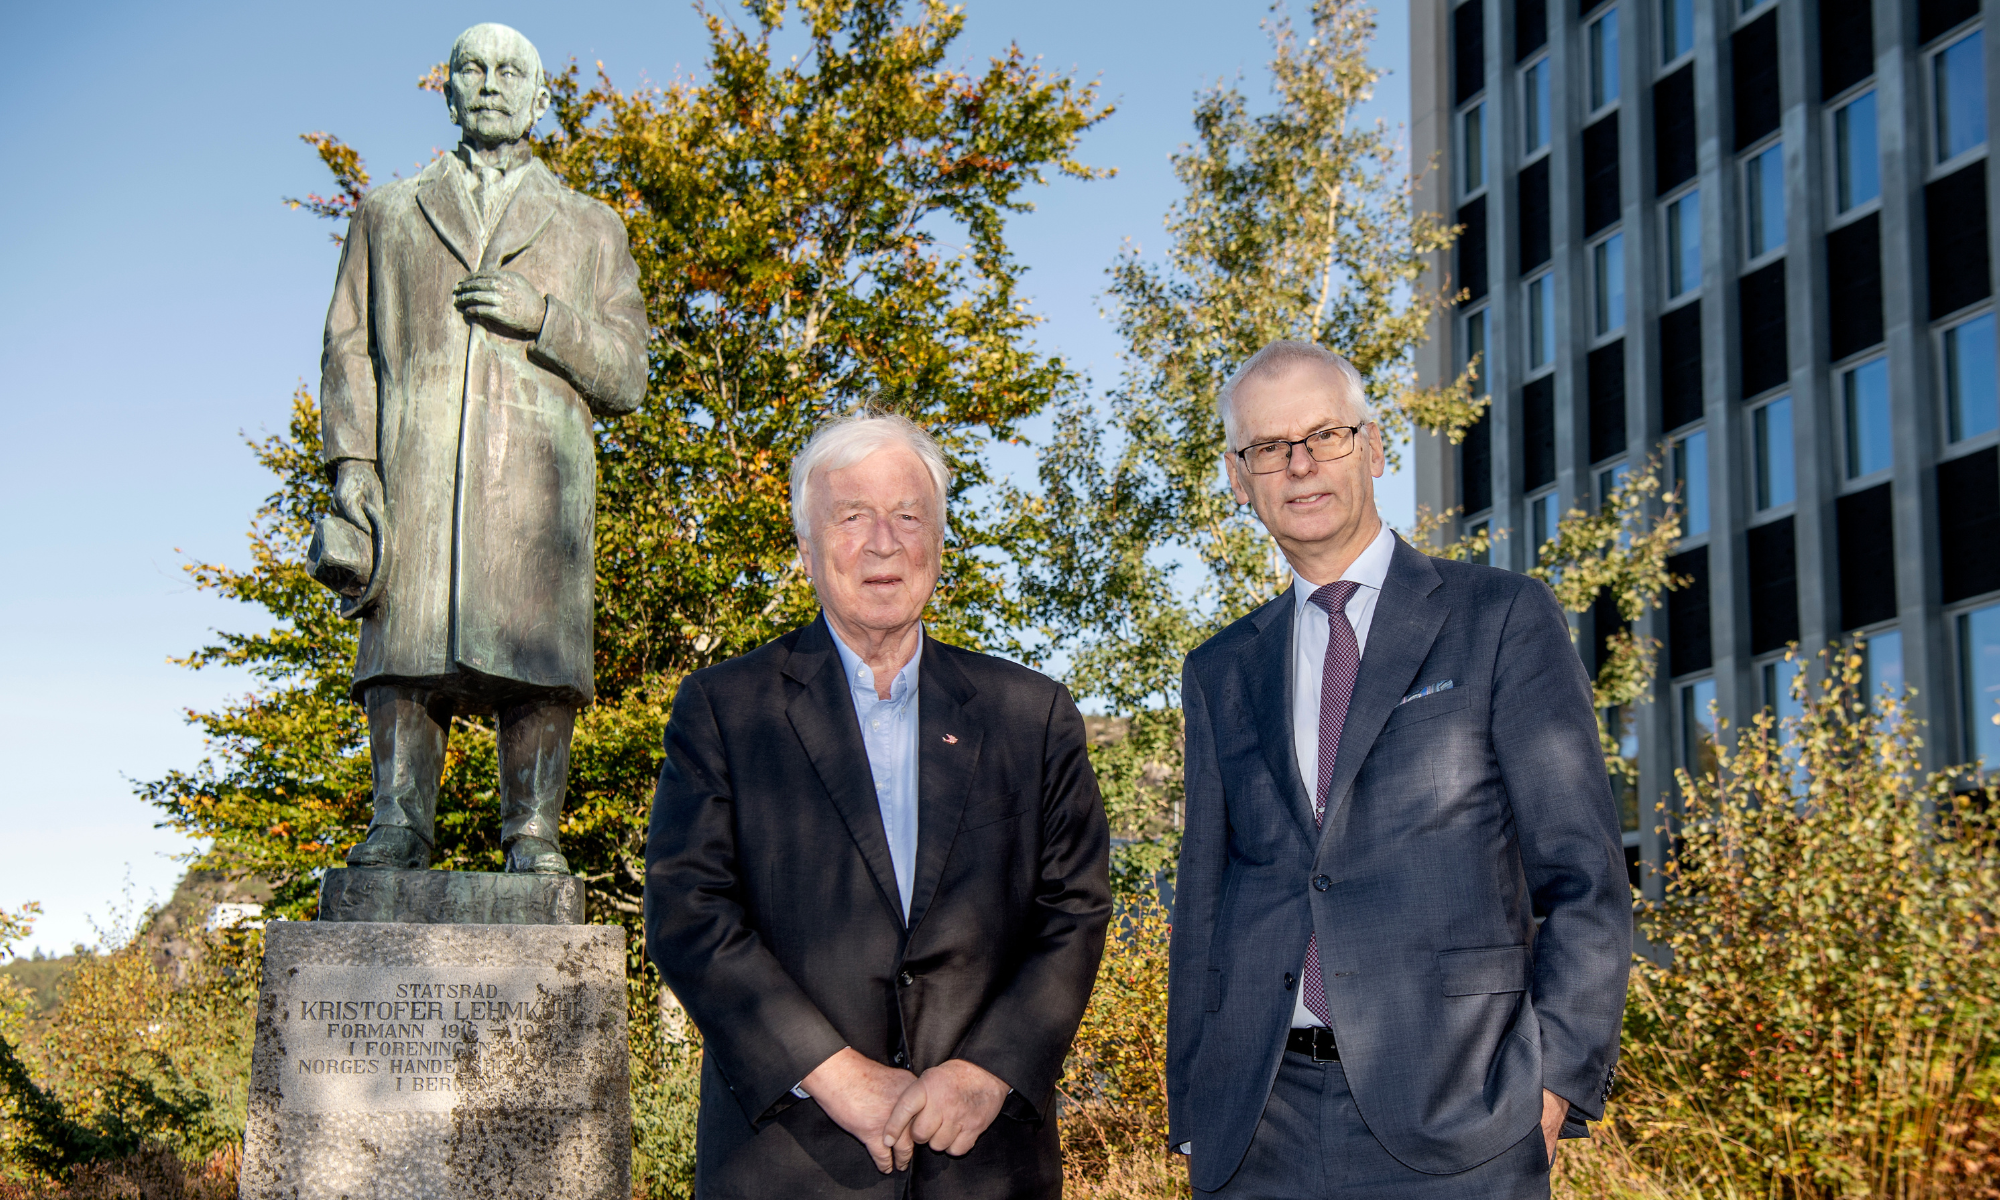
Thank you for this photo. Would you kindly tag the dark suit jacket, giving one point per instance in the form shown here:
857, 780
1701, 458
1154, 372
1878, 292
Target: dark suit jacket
772, 911
1453, 822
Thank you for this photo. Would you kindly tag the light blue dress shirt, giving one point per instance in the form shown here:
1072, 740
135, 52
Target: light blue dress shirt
889, 732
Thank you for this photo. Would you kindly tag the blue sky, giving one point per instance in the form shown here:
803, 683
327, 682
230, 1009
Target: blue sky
160, 302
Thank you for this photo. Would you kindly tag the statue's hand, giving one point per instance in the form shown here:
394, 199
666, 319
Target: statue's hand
502, 300
357, 496
357, 493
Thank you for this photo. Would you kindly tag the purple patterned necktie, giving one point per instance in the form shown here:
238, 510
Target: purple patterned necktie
1336, 688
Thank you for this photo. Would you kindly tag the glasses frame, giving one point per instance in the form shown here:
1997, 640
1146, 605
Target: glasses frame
1353, 439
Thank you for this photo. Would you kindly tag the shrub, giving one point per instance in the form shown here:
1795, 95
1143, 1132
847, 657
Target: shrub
1826, 1025
133, 1085
1113, 1093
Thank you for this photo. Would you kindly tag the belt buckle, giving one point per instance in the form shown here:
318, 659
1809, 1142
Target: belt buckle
1323, 1047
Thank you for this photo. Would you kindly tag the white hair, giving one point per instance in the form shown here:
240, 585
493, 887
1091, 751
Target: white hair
844, 441
1275, 357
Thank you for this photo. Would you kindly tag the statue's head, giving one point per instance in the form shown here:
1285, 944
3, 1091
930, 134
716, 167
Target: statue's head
496, 91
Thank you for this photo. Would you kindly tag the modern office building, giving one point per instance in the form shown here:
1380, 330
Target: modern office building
1755, 236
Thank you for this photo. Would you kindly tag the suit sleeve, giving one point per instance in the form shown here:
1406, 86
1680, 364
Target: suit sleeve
1025, 1031
1197, 892
347, 405
601, 354
764, 1032
1545, 737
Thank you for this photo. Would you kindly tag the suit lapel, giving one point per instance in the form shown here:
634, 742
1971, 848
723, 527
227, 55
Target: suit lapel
822, 715
1268, 680
529, 212
1407, 620
948, 745
447, 205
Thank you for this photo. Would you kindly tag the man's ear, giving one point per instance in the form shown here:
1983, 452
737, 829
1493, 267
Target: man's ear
1230, 465
543, 98
1378, 460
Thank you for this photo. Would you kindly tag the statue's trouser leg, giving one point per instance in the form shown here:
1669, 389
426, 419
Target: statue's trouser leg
534, 768
407, 727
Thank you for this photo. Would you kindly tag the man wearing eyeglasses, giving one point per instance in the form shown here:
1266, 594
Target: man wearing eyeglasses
1402, 924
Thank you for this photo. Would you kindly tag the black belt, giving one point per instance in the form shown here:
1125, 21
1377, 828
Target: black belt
1316, 1042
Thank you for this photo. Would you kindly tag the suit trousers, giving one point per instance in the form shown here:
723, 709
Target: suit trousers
1313, 1145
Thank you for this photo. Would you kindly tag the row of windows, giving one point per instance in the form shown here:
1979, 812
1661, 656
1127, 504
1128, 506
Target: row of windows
1970, 354
1856, 162
1956, 71
1975, 634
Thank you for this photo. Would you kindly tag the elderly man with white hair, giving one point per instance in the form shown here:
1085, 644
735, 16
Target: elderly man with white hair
876, 873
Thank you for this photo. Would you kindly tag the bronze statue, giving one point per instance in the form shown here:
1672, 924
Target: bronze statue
483, 314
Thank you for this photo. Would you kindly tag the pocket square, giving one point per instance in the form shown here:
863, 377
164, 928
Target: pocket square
1426, 690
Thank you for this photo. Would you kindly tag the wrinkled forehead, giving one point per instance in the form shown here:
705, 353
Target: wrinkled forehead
496, 44
889, 478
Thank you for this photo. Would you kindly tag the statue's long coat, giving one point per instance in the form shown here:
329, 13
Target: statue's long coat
483, 440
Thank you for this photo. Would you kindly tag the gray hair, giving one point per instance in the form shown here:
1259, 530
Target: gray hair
844, 441
1277, 356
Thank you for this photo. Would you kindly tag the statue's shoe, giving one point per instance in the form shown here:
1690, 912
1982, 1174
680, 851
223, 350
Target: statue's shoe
391, 847
533, 856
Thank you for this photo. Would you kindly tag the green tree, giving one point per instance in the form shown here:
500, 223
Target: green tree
810, 233
1296, 223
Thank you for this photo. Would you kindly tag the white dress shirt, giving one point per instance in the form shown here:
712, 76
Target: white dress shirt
889, 733
1310, 632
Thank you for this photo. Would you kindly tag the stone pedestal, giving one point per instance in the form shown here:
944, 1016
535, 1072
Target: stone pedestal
439, 1061
450, 897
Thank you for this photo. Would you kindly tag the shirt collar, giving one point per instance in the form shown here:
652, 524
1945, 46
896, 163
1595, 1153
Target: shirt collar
1370, 569
508, 158
861, 677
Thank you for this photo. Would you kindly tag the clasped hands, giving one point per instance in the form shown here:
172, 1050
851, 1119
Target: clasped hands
890, 1111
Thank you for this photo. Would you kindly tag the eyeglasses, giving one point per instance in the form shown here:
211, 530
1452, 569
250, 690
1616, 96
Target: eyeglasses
1327, 445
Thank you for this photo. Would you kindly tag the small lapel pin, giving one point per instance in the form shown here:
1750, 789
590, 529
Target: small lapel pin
950, 740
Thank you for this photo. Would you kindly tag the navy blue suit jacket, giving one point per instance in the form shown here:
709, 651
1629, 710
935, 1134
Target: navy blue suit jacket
1454, 822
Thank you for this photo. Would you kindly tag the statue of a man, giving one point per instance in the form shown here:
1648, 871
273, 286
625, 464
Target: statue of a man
483, 314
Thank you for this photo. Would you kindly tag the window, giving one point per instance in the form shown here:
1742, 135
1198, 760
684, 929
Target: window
1544, 515
1882, 664
1623, 725
1857, 164
1970, 375
1474, 141
1691, 480
1676, 28
1698, 728
1604, 60
1778, 677
1959, 80
1535, 105
1541, 321
1475, 350
1607, 269
1864, 395
1764, 200
1771, 447
1609, 480
1979, 682
1683, 244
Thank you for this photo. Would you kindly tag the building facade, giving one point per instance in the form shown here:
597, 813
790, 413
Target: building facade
1753, 237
